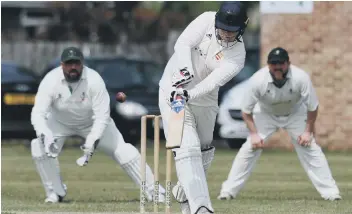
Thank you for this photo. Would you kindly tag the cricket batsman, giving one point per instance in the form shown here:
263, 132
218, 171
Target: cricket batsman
281, 95
72, 100
208, 53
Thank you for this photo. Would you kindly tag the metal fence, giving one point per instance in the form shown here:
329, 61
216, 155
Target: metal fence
36, 55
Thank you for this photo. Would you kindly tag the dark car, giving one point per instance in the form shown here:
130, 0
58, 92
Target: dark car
18, 88
138, 79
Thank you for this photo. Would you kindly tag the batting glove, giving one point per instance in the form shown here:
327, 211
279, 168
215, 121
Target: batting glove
179, 92
182, 78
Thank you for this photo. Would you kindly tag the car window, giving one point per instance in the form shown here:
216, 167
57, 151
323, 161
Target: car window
13, 73
119, 73
153, 72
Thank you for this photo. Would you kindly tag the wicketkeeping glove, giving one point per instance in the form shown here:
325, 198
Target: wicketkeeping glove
88, 150
181, 78
50, 147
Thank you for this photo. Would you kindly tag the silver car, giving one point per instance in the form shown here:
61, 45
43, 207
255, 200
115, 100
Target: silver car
232, 127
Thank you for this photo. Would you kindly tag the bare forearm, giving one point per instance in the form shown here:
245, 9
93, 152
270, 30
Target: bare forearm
311, 118
248, 118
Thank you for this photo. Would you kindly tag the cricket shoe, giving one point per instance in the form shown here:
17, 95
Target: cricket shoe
161, 197
55, 198
181, 198
332, 198
185, 209
203, 210
225, 196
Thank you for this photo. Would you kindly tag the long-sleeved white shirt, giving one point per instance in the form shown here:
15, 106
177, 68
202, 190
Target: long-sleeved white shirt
297, 92
87, 106
211, 64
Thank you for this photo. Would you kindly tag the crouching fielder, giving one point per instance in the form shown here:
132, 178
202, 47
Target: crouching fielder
76, 99
208, 54
286, 99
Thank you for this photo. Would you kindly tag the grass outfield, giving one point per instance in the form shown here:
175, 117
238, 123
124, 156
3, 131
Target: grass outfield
277, 185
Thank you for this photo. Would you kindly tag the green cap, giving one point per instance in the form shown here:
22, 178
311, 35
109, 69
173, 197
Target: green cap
71, 53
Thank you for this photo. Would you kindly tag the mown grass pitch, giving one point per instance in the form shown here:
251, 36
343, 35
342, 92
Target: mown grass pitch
277, 185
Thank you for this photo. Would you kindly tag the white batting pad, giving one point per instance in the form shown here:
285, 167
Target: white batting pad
179, 193
207, 158
191, 175
48, 169
133, 170
185, 209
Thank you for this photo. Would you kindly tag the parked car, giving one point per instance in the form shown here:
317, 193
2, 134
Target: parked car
251, 66
18, 88
232, 128
139, 80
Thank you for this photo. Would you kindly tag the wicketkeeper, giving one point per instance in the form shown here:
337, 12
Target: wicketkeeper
72, 100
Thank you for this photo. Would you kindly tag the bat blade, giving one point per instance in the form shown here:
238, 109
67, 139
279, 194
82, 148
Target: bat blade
176, 121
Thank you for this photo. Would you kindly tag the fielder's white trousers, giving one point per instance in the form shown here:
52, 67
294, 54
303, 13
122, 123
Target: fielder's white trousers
312, 158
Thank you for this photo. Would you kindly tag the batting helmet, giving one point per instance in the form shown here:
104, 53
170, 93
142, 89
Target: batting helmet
232, 16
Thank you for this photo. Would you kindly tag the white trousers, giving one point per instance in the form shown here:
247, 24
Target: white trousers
312, 158
197, 136
111, 143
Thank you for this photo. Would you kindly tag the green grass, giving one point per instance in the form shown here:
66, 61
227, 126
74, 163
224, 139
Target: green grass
277, 185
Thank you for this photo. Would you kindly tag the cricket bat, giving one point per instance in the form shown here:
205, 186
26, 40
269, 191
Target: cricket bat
175, 128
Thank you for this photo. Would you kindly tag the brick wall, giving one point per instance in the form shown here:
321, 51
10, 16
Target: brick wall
324, 49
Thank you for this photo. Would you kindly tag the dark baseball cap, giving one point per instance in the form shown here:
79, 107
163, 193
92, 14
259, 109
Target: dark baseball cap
278, 55
71, 53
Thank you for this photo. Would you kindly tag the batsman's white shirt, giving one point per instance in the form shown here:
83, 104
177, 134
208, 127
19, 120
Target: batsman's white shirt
211, 64
87, 106
297, 94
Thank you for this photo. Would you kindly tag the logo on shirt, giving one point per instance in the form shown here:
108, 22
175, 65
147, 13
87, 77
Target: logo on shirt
209, 35
219, 55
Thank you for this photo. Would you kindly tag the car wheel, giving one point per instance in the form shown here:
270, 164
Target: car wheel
235, 143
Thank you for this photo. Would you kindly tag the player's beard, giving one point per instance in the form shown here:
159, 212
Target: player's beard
73, 75
279, 82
